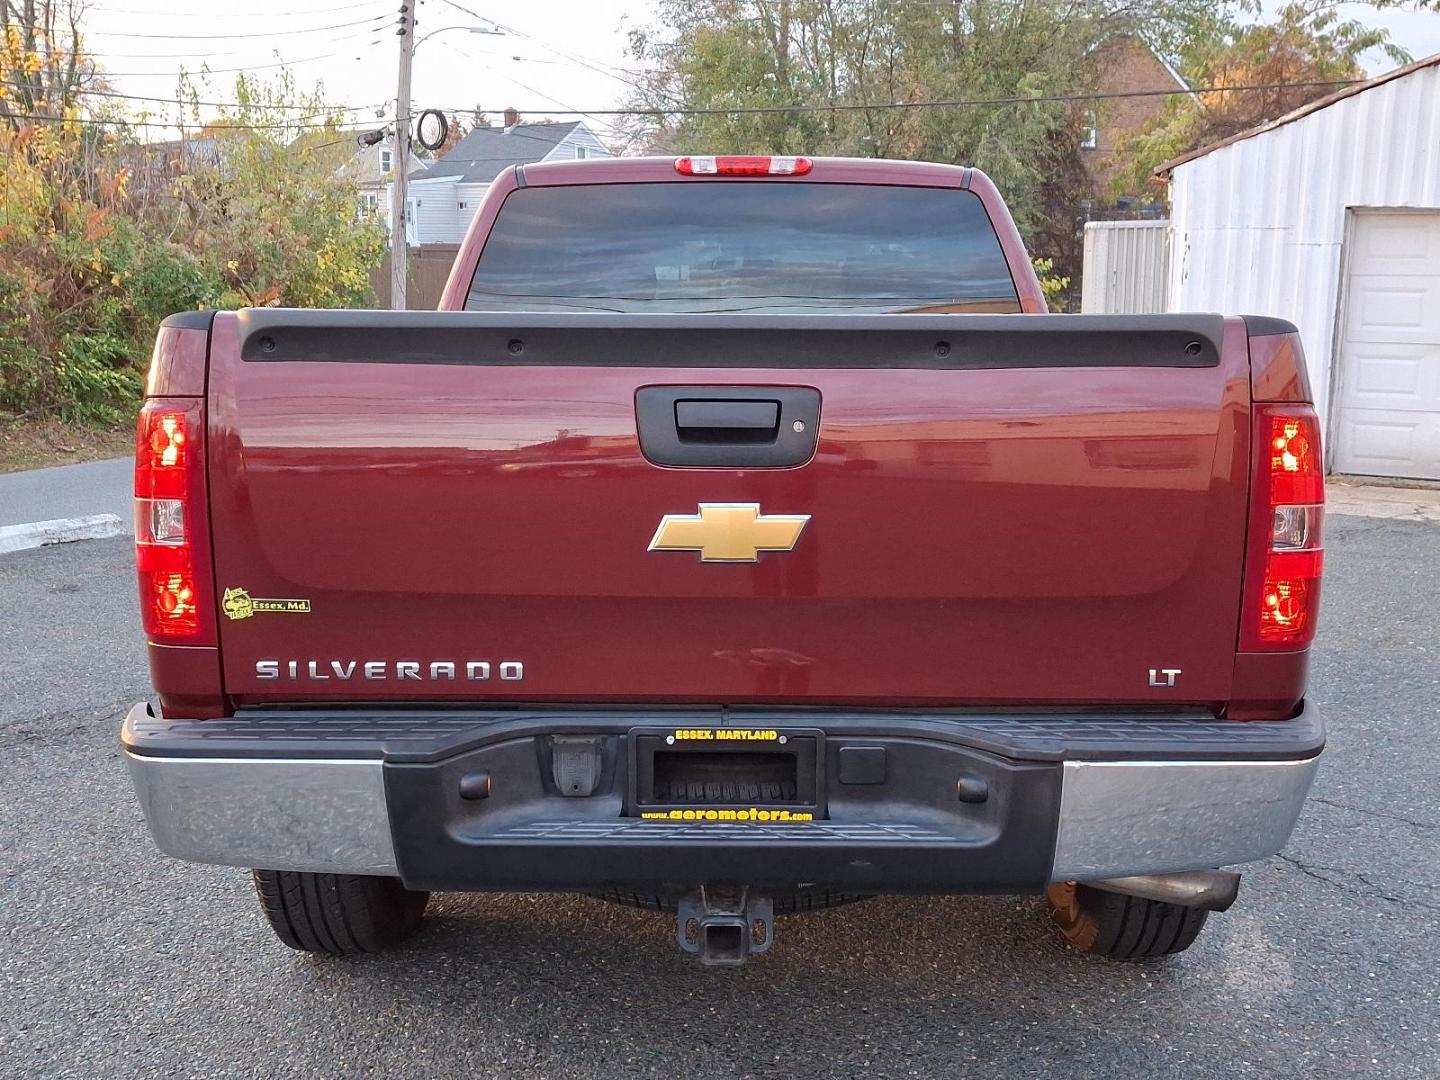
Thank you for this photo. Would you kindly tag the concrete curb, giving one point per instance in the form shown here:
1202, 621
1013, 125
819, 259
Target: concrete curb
35, 534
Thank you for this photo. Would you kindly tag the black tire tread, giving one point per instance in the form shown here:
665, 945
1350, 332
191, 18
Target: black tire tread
1131, 927
338, 914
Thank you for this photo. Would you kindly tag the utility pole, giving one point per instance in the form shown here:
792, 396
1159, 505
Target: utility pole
400, 160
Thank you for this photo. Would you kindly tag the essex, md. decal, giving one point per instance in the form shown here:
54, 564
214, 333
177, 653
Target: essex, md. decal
239, 604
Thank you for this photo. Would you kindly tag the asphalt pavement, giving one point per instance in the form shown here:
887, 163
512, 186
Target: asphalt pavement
67, 491
117, 961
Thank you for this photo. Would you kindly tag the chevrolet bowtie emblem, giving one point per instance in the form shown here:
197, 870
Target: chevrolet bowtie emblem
728, 532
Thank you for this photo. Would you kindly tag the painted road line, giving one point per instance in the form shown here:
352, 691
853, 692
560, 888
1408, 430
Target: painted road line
35, 534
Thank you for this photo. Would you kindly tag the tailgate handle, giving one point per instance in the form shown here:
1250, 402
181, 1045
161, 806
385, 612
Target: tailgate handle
727, 421
728, 427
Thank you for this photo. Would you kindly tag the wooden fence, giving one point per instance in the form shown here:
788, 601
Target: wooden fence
429, 268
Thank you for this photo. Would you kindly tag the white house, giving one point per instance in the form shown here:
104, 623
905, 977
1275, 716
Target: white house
369, 170
442, 198
1330, 217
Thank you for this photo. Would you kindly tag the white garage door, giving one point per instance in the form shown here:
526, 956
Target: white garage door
1388, 419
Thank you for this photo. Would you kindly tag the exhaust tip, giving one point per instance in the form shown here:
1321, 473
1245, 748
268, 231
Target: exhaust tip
1209, 890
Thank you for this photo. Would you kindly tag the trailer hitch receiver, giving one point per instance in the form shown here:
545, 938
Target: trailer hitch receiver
724, 927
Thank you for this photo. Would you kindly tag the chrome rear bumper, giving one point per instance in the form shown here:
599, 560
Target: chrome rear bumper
337, 813
272, 814
1119, 818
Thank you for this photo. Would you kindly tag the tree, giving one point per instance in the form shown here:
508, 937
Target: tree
271, 211
42, 69
839, 77
102, 235
1308, 52
454, 132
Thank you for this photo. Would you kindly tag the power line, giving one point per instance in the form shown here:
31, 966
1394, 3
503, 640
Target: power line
352, 137
85, 91
373, 19
192, 54
516, 132
609, 71
204, 70
92, 121
249, 15
501, 55
596, 66
528, 89
513, 133
944, 103
740, 110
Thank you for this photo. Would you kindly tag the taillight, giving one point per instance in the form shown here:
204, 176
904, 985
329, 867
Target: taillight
743, 166
1282, 586
168, 510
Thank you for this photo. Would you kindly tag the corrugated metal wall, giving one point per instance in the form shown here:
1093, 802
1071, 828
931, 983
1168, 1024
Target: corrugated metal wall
1257, 227
1125, 267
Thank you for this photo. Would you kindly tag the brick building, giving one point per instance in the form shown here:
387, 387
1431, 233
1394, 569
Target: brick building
1123, 65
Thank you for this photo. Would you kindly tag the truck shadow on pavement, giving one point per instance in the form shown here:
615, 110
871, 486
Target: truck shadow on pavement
872, 976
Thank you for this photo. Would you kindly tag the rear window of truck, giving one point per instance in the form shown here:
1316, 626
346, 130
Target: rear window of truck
746, 246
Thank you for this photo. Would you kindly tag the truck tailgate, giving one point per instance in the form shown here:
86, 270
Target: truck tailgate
1001, 510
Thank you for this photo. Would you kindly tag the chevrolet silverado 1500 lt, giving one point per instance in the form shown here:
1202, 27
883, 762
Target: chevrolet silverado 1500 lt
741, 537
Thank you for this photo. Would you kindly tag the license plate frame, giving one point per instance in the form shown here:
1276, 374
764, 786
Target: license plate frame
806, 746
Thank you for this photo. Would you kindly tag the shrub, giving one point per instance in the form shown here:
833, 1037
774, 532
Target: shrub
92, 257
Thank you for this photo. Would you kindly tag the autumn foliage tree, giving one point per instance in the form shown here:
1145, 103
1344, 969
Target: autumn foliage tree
103, 233
42, 67
848, 76
269, 207
1307, 52
837, 77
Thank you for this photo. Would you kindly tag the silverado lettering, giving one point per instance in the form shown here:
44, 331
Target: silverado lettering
814, 515
379, 670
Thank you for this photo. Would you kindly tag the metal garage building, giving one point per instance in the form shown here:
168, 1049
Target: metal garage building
1330, 217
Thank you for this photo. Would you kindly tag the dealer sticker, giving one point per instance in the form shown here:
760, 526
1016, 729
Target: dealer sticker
239, 604
774, 816
726, 735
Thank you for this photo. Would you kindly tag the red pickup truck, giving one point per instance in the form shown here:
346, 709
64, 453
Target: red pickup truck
741, 537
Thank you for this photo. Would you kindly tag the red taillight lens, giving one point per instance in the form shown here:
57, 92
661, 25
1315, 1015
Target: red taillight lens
166, 480
743, 166
1294, 448
1287, 515
1289, 596
161, 453
171, 607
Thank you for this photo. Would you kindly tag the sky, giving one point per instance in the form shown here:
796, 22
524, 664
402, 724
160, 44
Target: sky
555, 55
1417, 32
561, 53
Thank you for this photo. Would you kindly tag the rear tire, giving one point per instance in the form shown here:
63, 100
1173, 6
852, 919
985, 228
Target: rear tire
1121, 927
790, 902
338, 914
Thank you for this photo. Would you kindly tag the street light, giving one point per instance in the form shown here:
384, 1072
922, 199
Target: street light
468, 29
